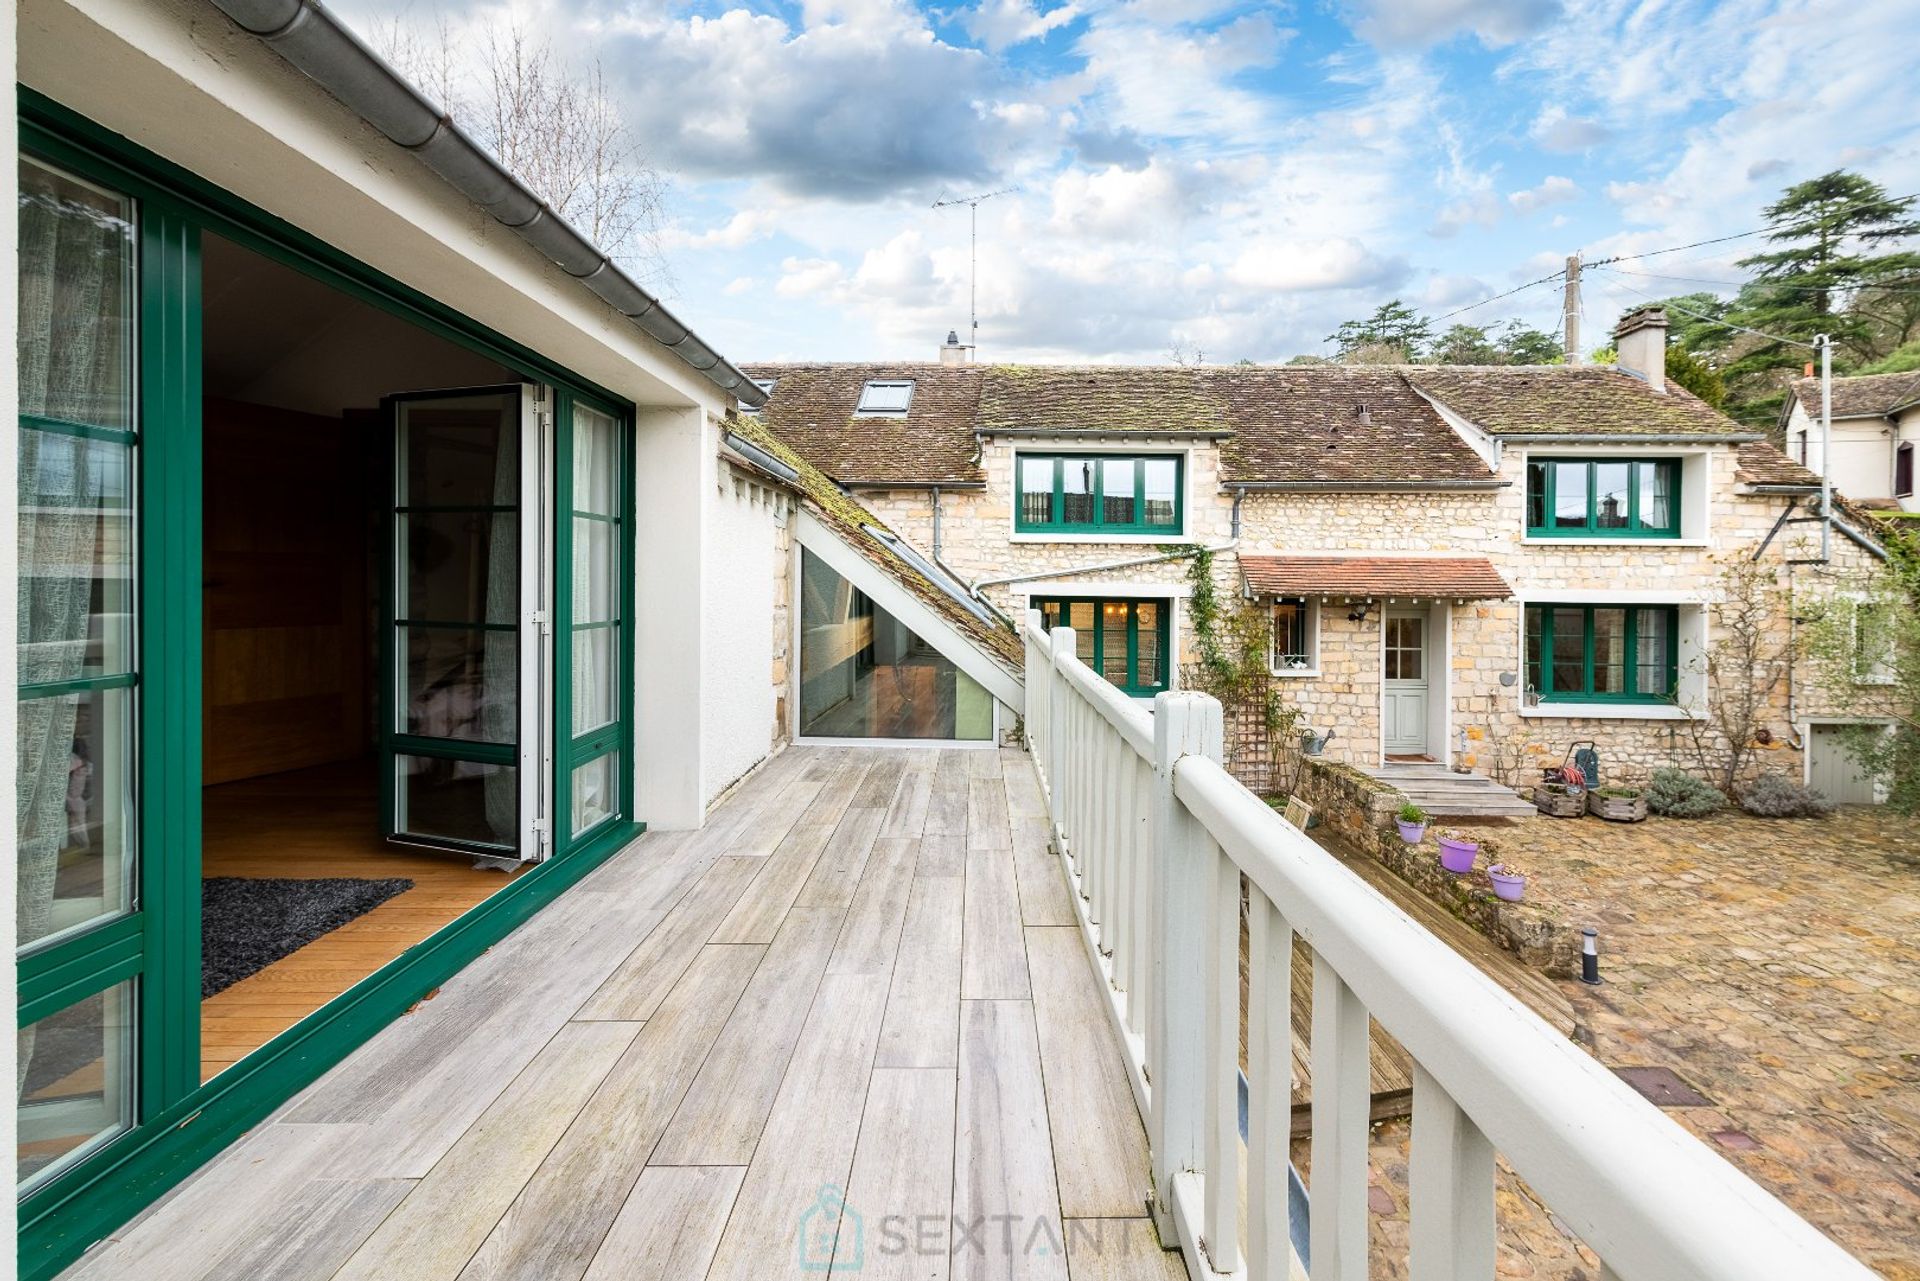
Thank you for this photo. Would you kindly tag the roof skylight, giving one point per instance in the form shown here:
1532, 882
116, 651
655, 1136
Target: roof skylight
885, 396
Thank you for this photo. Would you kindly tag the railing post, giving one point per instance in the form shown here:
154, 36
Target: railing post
1039, 683
1183, 725
1062, 642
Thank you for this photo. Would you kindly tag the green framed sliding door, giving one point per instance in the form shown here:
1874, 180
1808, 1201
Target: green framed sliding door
113, 1109
594, 601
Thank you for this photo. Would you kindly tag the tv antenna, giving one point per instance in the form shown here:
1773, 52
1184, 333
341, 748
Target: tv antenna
973, 255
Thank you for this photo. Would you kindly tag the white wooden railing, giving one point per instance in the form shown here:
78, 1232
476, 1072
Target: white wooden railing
1156, 838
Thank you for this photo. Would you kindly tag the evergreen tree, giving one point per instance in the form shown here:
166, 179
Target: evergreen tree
1393, 333
1464, 345
1522, 344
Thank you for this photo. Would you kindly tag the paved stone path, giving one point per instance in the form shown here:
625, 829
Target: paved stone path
1774, 965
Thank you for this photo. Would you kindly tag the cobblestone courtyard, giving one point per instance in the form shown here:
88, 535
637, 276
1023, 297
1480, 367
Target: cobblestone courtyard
1774, 965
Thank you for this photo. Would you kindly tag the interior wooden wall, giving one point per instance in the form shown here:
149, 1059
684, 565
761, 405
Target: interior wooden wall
288, 607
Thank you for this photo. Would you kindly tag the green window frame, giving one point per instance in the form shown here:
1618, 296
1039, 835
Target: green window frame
1069, 494
1580, 483
1594, 653
148, 957
1142, 669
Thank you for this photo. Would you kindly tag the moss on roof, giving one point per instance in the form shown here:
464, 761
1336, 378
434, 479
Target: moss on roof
852, 522
1574, 400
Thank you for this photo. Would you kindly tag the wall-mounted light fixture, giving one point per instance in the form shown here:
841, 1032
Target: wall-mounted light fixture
1358, 613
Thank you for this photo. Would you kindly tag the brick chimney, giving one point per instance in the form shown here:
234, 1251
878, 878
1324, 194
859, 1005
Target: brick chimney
951, 352
1641, 341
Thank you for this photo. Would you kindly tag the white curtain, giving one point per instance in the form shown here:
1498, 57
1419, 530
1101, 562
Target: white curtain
72, 366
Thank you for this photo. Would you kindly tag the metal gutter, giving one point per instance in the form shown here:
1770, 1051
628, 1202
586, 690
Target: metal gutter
1357, 486
1631, 438
935, 485
313, 40
761, 458
1097, 433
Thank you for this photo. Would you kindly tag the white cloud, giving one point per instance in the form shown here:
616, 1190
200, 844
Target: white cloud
743, 228
1555, 130
1402, 23
740, 285
1001, 24
1482, 209
1553, 190
1337, 263
801, 277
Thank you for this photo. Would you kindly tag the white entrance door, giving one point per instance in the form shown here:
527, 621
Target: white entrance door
1405, 700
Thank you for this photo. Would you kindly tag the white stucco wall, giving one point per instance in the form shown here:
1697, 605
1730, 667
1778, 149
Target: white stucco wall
1862, 452
737, 707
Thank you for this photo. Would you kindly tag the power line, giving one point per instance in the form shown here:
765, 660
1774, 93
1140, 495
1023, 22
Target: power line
1898, 287
1715, 320
1886, 202
1497, 297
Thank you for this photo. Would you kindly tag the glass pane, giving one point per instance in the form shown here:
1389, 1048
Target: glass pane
1656, 496
1146, 667
76, 1072
461, 683
76, 535
460, 451
1609, 651
458, 800
864, 674
1114, 626
596, 791
1569, 651
595, 683
596, 560
1163, 492
462, 567
1290, 635
1652, 675
1116, 492
1536, 495
886, 397
1077, 491
1036, 491
76, 300
76, 818
1611, 494
1570, 495
596, 462
1534, 643
1413, 654
1080, 618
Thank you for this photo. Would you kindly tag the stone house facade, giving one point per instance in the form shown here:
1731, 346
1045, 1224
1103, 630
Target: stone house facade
1478, 567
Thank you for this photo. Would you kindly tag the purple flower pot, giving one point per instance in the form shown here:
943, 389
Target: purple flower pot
1506, 887
1411, 833
1457, 856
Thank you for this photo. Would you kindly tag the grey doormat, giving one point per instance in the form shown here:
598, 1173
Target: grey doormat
246, 924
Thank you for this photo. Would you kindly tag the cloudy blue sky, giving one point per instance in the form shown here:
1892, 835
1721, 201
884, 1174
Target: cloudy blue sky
1228, 177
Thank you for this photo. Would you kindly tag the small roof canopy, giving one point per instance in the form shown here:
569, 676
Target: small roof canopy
1416, 577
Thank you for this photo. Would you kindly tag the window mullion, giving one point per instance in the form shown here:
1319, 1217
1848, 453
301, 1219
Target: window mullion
1057, 514
1133, 647
1586, 639
1630, 661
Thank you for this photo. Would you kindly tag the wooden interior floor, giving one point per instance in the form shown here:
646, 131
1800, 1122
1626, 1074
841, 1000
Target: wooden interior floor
850, 1014
307, 823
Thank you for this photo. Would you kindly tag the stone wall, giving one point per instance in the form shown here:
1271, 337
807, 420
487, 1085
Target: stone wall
1503, 736
1357, 812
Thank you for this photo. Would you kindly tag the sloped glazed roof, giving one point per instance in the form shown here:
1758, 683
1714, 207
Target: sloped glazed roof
851, 521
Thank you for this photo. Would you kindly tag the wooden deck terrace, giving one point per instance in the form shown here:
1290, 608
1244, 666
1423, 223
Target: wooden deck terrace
849, 1028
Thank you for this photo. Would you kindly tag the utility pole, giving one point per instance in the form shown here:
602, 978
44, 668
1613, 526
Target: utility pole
973, 257
1570, 319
